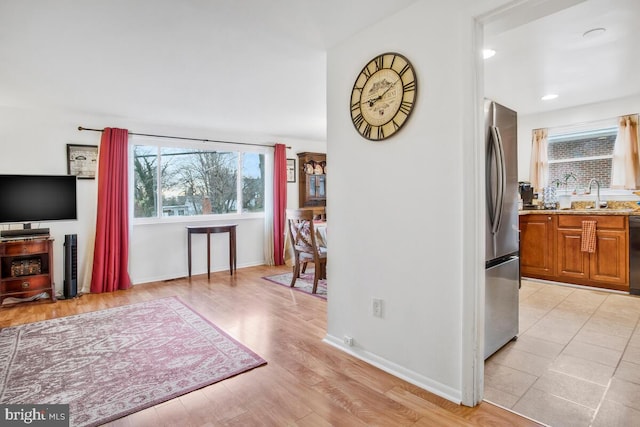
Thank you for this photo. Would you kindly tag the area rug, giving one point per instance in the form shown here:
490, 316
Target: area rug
303, 284
110, 363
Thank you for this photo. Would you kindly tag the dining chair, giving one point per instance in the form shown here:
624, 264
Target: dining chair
302, 233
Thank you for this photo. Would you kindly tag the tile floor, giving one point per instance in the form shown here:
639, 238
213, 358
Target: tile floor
576, 361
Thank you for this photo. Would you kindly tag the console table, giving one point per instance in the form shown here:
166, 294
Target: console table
212, 229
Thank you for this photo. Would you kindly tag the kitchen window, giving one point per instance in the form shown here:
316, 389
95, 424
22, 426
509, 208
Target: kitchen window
183, 181
585, 152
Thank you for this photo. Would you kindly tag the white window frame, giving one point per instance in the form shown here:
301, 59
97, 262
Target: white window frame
167, 143
569, 133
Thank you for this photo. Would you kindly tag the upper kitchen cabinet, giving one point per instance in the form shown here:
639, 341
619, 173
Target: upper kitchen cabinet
313, 179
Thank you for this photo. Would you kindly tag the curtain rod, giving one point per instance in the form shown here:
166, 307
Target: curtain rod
80, 128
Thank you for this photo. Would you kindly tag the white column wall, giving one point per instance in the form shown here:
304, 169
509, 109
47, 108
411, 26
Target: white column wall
399, 208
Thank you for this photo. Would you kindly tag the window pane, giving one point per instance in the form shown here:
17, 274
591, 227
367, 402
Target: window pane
198, 182
252, 182
584, 147
575, 154
145, 164
583, 170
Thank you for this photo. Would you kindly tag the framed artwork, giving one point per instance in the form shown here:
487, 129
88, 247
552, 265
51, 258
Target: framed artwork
291, 170
82, 160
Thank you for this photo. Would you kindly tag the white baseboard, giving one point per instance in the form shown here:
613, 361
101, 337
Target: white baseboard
183, 274
396, 370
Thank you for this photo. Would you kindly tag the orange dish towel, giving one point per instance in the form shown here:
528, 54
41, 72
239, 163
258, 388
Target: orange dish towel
588, 236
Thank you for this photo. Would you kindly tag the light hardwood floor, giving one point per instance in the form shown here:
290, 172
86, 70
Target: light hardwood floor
305, 383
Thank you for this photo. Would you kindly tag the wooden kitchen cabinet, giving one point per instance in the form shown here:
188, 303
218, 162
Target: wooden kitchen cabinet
610, 263
573, 264
313, 179
26, 268
607, 267
537, 245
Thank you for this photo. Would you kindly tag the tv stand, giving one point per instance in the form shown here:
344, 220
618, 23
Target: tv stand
26, 269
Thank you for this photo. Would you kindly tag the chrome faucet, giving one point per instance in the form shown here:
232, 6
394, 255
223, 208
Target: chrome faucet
597, 204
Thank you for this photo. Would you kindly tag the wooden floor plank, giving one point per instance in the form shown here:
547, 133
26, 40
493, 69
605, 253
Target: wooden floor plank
306, 382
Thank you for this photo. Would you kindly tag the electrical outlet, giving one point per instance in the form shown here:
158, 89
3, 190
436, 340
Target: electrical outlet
376, 306
348, 340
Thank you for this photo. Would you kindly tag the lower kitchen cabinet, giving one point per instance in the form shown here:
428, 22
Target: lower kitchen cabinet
610, 264
573, 264
537, 246
607, 267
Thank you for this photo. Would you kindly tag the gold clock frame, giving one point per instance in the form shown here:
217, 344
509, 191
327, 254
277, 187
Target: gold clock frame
383, 96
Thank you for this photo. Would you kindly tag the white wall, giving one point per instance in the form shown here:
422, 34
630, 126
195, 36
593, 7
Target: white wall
565, 117
34, 142
400, 211
404, 221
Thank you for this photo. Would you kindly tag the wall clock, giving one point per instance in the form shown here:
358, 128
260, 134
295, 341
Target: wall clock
383, 96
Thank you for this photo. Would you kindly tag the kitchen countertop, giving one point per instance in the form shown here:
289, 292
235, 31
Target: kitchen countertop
602, 211
614, 207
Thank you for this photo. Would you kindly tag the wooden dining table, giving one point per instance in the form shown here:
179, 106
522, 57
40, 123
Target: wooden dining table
319, 212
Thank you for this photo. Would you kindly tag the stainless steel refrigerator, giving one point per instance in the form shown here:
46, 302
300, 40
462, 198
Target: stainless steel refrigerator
502, 278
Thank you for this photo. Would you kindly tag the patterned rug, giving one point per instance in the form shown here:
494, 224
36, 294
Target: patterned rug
110, 363
303, 284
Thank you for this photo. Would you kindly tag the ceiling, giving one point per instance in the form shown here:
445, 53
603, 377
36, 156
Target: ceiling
258, 67
550, 55
236, 66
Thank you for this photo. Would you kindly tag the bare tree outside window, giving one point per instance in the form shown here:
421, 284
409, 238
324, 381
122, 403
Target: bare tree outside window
253, 182
197, 182
145, 162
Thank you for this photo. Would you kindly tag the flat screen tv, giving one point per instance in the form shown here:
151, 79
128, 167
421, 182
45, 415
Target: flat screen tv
35, 198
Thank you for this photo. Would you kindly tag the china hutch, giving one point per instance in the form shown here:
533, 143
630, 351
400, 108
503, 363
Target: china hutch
313, 179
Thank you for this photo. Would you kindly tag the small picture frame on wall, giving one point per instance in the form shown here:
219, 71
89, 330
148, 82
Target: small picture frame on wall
82, 160
291, 170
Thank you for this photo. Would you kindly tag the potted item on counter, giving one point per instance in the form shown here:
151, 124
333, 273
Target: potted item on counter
564, 198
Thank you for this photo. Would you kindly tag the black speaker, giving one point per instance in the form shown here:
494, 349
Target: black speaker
70, 265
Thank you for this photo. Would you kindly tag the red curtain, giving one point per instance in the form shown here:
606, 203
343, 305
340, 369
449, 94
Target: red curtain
279, 202
111, 253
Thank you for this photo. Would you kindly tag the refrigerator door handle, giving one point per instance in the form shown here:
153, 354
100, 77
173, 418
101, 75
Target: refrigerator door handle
491, 189
502, 176
495, 203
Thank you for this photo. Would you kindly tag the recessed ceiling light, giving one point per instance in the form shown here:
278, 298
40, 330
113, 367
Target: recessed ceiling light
488, 53
549, 97
594, 32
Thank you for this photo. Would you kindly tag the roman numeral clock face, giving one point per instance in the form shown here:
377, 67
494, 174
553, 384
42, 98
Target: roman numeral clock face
383, 96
